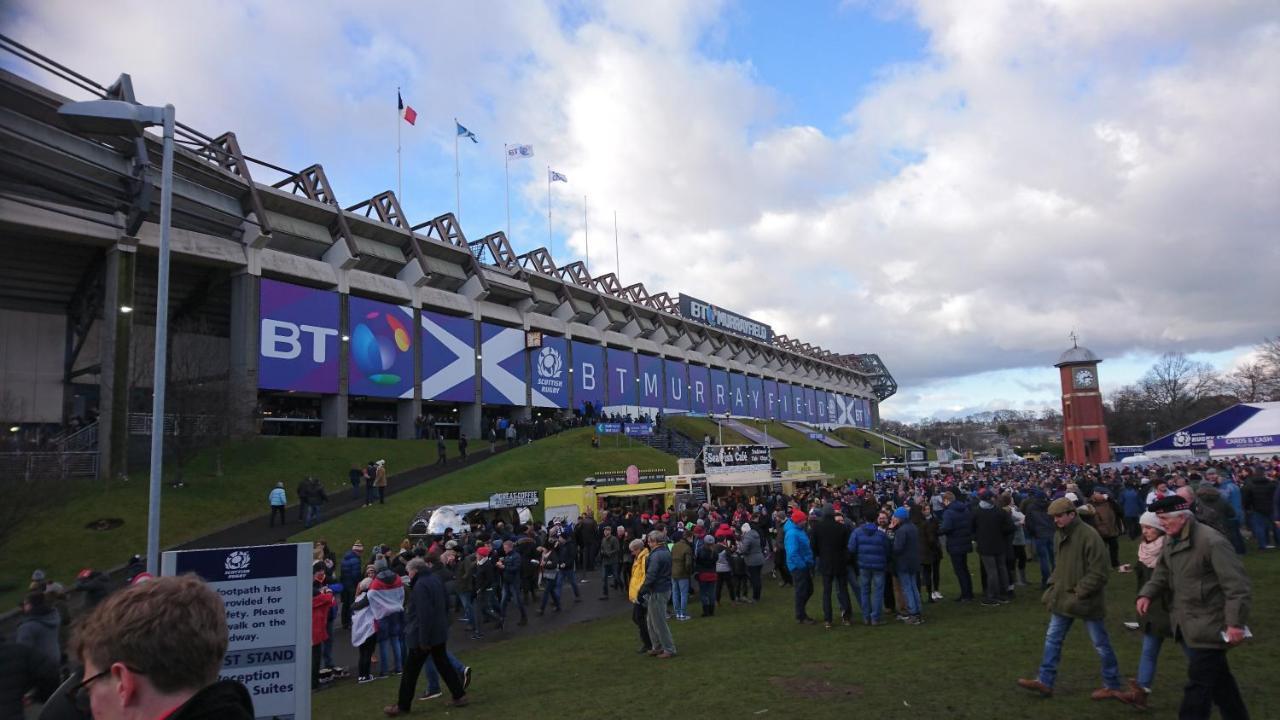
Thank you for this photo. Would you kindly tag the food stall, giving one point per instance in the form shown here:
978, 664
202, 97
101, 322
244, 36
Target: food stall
633, 489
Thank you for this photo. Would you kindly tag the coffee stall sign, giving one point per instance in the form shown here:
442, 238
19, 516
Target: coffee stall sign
518, 499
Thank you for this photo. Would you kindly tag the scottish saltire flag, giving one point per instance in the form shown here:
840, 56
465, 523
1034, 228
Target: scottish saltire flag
520, 151
463, 132
556, 177
407, 112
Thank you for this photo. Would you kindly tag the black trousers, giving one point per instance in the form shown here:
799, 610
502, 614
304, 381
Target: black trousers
277, 510
803, 582
1113, 549
366, 656
842, 593
1209, 683
417, 657
640, 616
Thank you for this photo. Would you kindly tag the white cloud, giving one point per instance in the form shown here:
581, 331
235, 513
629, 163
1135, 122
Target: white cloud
1109, 168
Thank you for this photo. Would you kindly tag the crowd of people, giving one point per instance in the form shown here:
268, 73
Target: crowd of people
878, 548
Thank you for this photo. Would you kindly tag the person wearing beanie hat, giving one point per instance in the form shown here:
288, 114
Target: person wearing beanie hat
799, 556
906, 562
830, 541
1155, 625
350, 574
751, 548
1078, 592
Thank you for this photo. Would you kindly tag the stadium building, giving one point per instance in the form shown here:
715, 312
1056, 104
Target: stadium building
295, 312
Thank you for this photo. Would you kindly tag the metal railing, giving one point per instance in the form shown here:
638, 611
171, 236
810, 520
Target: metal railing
140, 424
49, 465
86, 438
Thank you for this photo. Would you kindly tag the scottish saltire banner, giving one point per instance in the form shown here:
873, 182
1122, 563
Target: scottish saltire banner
771, 409
755, 397
380, 352
622, 377
651, 391
298, 339
719, 391
549, 373
784, 401
738, 394
502, 355
448, 358
588, 375
677, 386
700, 389
810, 412
820, 405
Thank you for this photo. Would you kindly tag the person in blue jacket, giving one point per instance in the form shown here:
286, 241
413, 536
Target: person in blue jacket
906, 562
871, 546
1133, 506
799, 562
957, 526
352, 569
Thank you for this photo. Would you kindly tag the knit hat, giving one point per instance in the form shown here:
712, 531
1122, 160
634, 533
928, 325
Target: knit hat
798, 517
901, 513
1151, 520
746, 527
483, 551
37, 576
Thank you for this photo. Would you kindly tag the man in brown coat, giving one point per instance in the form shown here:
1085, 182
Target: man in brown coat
1209, 609
1107, 523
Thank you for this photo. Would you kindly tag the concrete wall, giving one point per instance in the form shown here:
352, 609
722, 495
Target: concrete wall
31, 357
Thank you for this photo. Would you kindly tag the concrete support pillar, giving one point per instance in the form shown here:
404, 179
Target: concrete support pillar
242, 380
469, 420
114, 380
333, 408
407, 412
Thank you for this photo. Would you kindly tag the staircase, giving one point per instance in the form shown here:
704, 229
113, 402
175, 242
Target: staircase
672, 442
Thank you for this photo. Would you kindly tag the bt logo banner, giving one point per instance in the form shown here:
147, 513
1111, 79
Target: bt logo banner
298, 338
588, 375
381, 349
550, 376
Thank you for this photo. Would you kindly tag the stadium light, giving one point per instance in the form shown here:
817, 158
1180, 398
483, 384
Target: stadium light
118, 117
126, 309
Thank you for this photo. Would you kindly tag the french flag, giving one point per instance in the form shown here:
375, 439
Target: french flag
406, 111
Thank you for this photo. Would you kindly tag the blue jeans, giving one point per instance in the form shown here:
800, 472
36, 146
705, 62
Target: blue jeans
511, 591
550, 591
468, 613
312, 516
570, 577
1264, 530
1058, 627
1044, 553
1147, 665
871, 593
391, 637
909, 581
707, 595
680, 596
433, 676
369, 494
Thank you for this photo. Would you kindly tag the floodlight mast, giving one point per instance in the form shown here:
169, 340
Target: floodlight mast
121, 117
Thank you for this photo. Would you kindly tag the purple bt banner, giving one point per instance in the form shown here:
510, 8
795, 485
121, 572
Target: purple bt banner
381, 349
298, 338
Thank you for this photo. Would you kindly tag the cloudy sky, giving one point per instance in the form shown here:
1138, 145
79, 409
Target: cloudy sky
955, 186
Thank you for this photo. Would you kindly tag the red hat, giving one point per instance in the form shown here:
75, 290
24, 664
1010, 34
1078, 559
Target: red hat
798, 517
84, 574
666, 516
644, 516
483, 551
699, 531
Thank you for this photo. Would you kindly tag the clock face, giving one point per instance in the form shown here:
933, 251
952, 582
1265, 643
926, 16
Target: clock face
1085, 379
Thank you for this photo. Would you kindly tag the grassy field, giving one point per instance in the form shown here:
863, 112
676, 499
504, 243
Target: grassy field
55, 538
754, 661
564, 459
879, 446
698, 427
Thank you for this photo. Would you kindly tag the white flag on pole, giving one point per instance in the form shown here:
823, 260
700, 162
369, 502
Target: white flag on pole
516, 152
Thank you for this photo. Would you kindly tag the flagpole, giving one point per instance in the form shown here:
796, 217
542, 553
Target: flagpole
551, 246
457, 173
617, 254
586, 234
506, 174
399, 186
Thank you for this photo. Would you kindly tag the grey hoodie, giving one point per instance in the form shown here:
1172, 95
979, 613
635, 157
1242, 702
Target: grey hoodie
39, 631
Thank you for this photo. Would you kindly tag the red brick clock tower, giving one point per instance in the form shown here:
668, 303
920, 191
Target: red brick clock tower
1084, 430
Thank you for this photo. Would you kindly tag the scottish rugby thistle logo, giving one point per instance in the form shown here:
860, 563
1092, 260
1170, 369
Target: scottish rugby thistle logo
237, 564
549, 363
